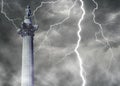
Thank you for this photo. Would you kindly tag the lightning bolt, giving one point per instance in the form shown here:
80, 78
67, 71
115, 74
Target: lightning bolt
101, 32
51, 27
4, 13
78, 43
78, 33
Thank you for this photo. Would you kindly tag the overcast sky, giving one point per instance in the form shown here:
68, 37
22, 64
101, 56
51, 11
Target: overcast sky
56, 63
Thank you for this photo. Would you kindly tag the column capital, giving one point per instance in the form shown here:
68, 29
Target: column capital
27, 29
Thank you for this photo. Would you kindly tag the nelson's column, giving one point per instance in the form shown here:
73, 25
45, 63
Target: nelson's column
27, 32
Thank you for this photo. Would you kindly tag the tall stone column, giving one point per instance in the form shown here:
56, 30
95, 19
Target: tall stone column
27, 32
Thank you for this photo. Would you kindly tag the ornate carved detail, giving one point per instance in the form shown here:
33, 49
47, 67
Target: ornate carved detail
27, 29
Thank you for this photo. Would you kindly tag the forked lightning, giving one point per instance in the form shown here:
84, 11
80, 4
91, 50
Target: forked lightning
101, 32
78, 44
78, 33
2, 11
58, 23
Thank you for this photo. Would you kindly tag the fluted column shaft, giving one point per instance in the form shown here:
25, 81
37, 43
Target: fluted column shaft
27, 62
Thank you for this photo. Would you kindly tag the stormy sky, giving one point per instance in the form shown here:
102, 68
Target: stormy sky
56, 63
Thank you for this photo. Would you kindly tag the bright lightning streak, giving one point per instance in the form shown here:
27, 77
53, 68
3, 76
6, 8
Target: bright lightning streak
2, 11
101, 31
51, 26
78, 33
78, 43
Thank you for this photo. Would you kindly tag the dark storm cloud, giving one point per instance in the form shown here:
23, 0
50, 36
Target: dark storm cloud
107, 15
8, 71
106, 7
60, 74
102, 69
110, 5
44, 59
8, 53
52, 64
5, 31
